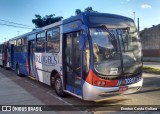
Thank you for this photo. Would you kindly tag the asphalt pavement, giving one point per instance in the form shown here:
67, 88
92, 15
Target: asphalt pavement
16, 90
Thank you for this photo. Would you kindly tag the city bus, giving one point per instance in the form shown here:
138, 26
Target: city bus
18, 51
91, 56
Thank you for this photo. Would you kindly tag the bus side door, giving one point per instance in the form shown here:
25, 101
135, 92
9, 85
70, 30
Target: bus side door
31, 58
71, 63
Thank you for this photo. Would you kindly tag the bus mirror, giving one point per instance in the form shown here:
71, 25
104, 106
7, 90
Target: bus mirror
82, 42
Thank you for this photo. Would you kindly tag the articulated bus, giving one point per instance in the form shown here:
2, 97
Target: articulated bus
91, 56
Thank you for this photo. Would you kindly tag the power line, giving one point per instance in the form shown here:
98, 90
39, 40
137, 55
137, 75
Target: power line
16, 26
15, 23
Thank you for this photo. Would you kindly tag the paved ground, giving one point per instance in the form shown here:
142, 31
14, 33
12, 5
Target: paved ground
16, 90
22, 90
152, 64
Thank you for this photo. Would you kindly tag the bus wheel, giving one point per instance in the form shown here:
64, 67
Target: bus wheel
59, 87
17, 70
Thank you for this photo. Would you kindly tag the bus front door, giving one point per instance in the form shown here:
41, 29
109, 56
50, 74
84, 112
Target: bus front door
71, 59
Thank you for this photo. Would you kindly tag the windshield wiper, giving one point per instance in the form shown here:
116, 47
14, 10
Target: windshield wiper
111, 38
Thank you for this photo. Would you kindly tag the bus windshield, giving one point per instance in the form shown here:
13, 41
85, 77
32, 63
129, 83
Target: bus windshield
116, 51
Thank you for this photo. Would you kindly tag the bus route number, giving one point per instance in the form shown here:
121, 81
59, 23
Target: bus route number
130, 80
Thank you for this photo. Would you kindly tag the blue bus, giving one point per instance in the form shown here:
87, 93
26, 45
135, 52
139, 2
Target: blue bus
91, 56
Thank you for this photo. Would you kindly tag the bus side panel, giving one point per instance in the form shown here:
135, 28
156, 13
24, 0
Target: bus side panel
10, 56
20, 59
45, 63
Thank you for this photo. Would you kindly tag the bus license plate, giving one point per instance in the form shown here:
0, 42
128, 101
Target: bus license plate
123, 88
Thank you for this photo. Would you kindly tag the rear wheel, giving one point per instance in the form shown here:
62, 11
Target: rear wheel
59, 87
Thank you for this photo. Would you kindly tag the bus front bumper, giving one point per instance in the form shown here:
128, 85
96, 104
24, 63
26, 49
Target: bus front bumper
92, 93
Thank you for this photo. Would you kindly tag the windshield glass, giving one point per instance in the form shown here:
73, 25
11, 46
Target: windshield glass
116, 51
131, 51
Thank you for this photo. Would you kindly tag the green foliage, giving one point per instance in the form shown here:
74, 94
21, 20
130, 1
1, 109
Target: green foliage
78, 11
88, 9
40, 21
151, 70
43, 21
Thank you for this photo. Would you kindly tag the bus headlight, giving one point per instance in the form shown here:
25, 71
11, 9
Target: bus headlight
103, 83
99, 83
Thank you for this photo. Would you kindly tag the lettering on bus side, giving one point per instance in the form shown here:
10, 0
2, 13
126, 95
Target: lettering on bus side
50, 60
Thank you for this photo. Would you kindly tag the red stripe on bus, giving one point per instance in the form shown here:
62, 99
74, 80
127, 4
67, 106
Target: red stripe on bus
97, 81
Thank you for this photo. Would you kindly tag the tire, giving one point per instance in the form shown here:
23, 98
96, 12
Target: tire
18, 70
59, 87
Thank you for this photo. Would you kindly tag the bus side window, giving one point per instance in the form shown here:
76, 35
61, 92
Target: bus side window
40, 45
53, 41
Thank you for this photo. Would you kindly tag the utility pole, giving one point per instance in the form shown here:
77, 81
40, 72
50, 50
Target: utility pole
138, 24
4, 39
134, 16
18, 32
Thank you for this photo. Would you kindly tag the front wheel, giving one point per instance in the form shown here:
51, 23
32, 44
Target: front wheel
59, 87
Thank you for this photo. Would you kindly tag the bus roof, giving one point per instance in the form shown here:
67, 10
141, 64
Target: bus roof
73, 18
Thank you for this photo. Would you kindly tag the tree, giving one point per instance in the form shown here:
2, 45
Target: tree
88, 9
78, 11
43, 21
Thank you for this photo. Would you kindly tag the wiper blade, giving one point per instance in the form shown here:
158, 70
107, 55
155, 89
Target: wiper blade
111, 38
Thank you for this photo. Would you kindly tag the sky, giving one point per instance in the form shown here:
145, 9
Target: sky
23, 11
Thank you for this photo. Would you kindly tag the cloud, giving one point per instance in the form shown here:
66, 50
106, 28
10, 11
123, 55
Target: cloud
145, 6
